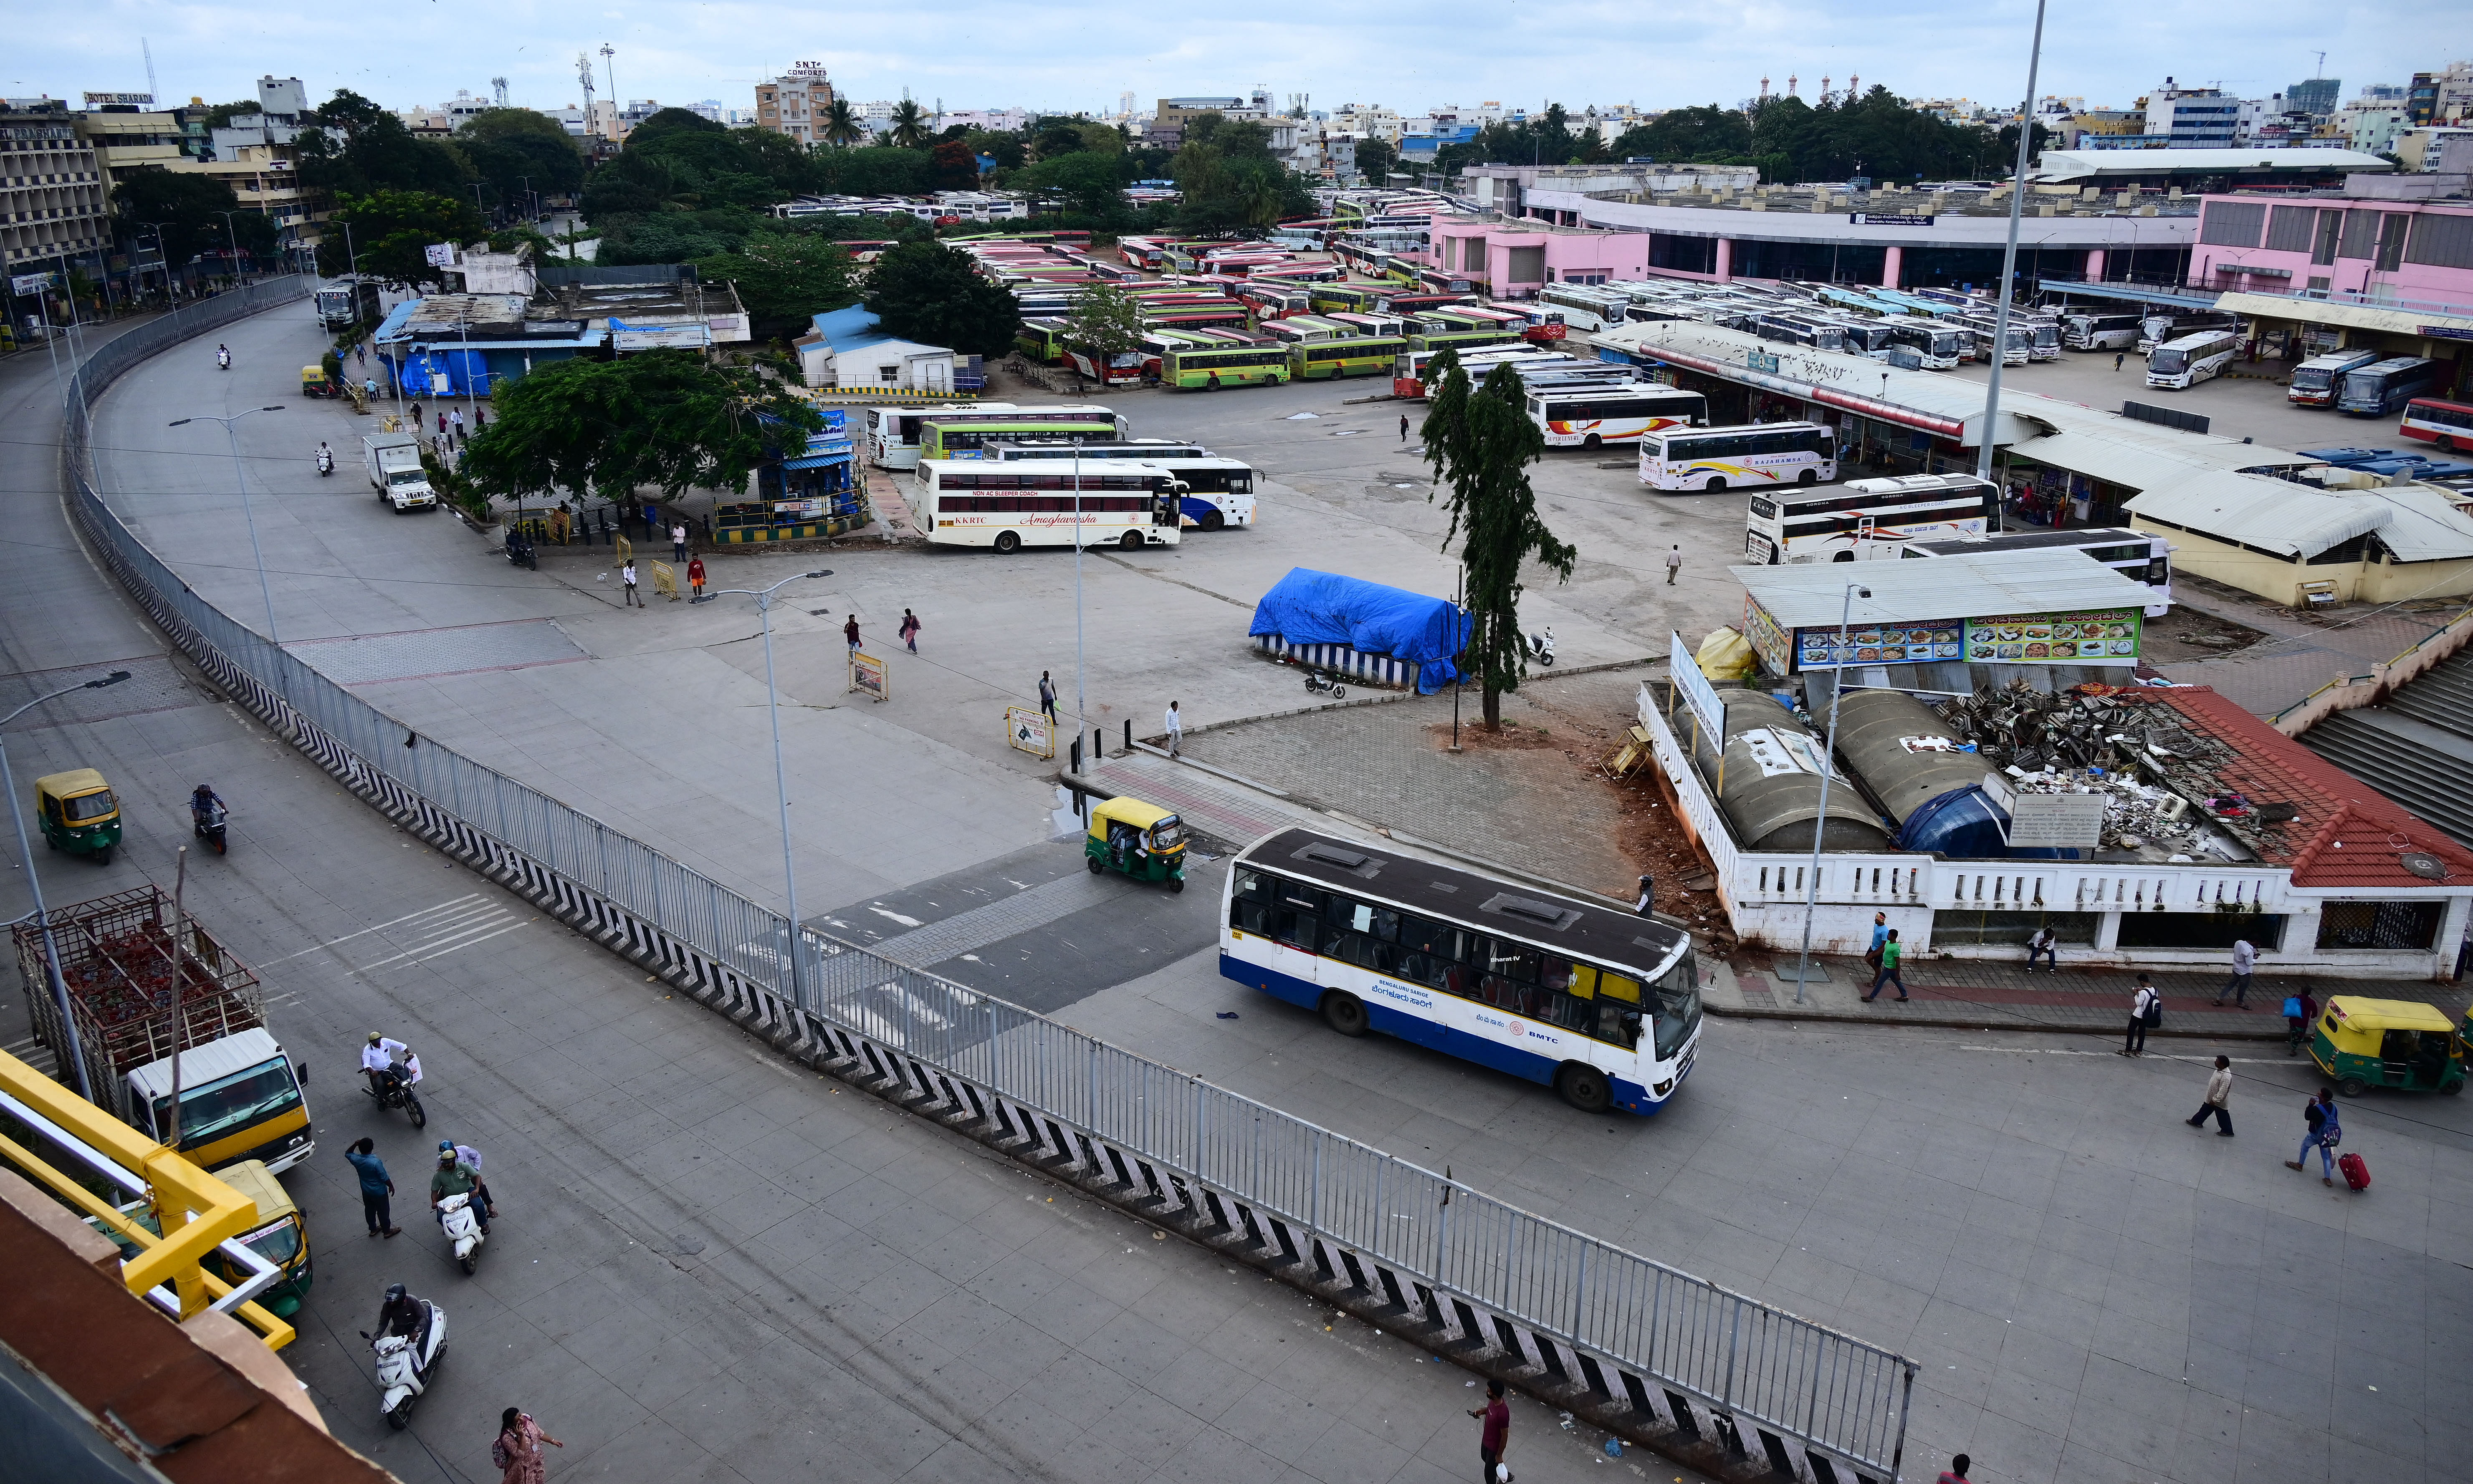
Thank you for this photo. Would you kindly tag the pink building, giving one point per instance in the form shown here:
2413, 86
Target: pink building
2382, 272
1515, 260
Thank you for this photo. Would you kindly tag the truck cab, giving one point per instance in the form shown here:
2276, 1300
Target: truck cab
240, 1099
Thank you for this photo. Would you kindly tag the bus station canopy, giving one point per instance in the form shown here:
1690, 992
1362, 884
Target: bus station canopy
1809, 595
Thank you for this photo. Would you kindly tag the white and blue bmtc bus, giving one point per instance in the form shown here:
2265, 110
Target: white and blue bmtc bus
1599, 1004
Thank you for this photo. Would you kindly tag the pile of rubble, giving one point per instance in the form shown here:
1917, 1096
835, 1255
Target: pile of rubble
2161, 775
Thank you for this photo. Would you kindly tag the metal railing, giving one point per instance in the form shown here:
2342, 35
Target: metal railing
1175, 1145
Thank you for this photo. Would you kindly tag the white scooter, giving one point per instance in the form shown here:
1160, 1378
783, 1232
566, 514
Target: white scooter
455, 1217
406, 1362
1541, 647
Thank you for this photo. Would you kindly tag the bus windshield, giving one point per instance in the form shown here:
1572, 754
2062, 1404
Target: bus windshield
2312, 378
2168, 361
1678, 1007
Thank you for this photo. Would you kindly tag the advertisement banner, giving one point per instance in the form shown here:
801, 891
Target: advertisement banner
1768, 638
1908, 643
868, 677
1695, 690
1026, 728
29, 285
2099, 636
439, 254
2057, 822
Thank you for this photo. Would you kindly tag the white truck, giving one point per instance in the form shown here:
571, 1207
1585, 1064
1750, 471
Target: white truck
393, 464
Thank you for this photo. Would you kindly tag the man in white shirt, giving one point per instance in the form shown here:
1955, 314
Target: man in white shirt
382, 1055
1175, 730
2245, 960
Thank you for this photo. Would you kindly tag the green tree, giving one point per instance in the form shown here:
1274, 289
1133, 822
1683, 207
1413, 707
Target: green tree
1481, 443
1106, 319
783, 278
935, 294
1092, 185
664, 419
519, 149
189, 209
841, 128
1375, 158
358, 148
391, 232
875, 170
908, 126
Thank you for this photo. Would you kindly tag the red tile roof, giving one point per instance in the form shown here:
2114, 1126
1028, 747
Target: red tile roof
2347, 835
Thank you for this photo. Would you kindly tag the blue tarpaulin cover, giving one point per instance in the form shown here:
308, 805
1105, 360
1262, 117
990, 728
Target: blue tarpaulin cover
1308, 607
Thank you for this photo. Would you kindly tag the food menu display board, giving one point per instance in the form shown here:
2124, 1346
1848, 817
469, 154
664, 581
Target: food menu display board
1909, 643
2095, 637
1768, 638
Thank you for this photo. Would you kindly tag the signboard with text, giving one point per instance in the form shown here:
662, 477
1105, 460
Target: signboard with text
1695, 690
119, 99
29, 285
868, 677
2097, 636
2057, 822
1877, 219
1026, 728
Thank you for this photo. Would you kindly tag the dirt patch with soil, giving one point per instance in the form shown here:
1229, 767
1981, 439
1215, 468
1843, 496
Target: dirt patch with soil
2187, 633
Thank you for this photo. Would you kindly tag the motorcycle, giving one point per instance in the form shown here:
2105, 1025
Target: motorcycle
462, 1227
407, 1362
1316, 680
389, 1089
519, 551
325, 463
222, 359
1541, 647
207, 823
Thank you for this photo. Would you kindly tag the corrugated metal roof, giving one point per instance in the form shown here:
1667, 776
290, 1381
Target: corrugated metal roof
2078, 164
2143, 455
1971, 587
2425, 526
2360, 317
2416, 522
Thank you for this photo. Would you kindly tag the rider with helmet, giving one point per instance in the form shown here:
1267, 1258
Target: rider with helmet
223, 357
204, 802
400, 1314
470, 1159
385, 1058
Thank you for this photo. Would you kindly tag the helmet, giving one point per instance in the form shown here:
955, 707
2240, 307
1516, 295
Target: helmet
375, 1038
394, 1292
447, 1146
446, 1154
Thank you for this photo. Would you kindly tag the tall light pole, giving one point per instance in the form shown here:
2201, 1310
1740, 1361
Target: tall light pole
162, 253
1081, 699
242, 480
73, 1053
231, 236
1828, 770
2009, 252
763, 597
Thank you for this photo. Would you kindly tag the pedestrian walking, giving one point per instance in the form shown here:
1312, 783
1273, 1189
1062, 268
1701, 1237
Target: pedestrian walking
456, 417
627, 579
2220, 1100
1494, 1433
1879, 936
517, 1453
1048, 697
849, 631
1956, 1473
909, 630
678, 541
1890, 954
2300, 1010
1647, 896
2245, 960
2117, 358
2325, 1131
1404, 427
559, 520
1175, 730
442, 424
1673, 563
361, 353
480, 419
2146, 1009
376, 1189
414, 411
2047, 945
695, 577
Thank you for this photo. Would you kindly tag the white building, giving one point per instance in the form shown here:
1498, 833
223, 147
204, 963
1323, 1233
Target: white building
2371, 126
993, 120
2193, 118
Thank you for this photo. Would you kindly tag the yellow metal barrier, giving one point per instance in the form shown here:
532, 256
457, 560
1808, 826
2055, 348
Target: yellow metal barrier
196, 1211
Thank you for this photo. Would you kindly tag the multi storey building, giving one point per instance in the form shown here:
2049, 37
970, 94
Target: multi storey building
796, 103
2193, 118
257, 154
53, 203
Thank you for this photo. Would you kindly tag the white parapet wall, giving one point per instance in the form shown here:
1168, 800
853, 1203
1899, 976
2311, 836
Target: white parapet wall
1986, 909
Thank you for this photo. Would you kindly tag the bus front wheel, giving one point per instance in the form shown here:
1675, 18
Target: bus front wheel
1008, 541
1807, 477
1345, 1014
1585, 1088
1592, 442
1212, 520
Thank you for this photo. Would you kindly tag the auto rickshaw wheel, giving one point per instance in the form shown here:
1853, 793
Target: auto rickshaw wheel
1345, 1014
103, 857
1177, 884
2352, 1087
2451, 1089
1093, 862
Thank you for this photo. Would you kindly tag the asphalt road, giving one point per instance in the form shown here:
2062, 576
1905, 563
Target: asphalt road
708, 1263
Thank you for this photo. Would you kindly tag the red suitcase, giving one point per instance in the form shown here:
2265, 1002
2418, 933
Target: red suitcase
2356, 1171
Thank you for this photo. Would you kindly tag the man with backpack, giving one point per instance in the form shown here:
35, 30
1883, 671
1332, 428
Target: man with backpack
2146, 1011
2324, 1131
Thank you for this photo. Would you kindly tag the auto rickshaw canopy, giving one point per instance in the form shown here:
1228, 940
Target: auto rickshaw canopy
2357, 1026
1133, 813
76, 784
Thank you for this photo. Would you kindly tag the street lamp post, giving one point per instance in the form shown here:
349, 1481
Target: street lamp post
73, 1053
2009, 252
233, 237
1828, 770
1081, 699
246, 513
763, 597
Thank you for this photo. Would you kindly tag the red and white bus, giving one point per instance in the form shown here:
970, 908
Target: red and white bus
2448, 424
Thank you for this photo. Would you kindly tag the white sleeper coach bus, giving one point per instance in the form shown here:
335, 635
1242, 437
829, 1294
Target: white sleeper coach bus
1599, 1004
2179, 365
1009, 505
1736, 458
2082, 331
1586, 415
1866, 518
1218, 492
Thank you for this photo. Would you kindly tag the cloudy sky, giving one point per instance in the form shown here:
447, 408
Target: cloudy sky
976, 53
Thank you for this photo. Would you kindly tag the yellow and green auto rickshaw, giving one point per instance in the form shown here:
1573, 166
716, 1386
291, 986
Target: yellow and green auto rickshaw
79, 812
315, 382
280, 1236
1141, 840
2399, 1043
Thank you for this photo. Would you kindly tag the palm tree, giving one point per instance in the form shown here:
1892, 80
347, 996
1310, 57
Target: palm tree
842, 127
909, 128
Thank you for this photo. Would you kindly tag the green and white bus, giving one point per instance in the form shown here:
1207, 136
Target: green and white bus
1208, 370
962, 435
1041, 341
1327, 360
1463, 340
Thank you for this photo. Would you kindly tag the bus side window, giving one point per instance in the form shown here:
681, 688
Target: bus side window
1618, 1023
1249, 902
1296, 918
